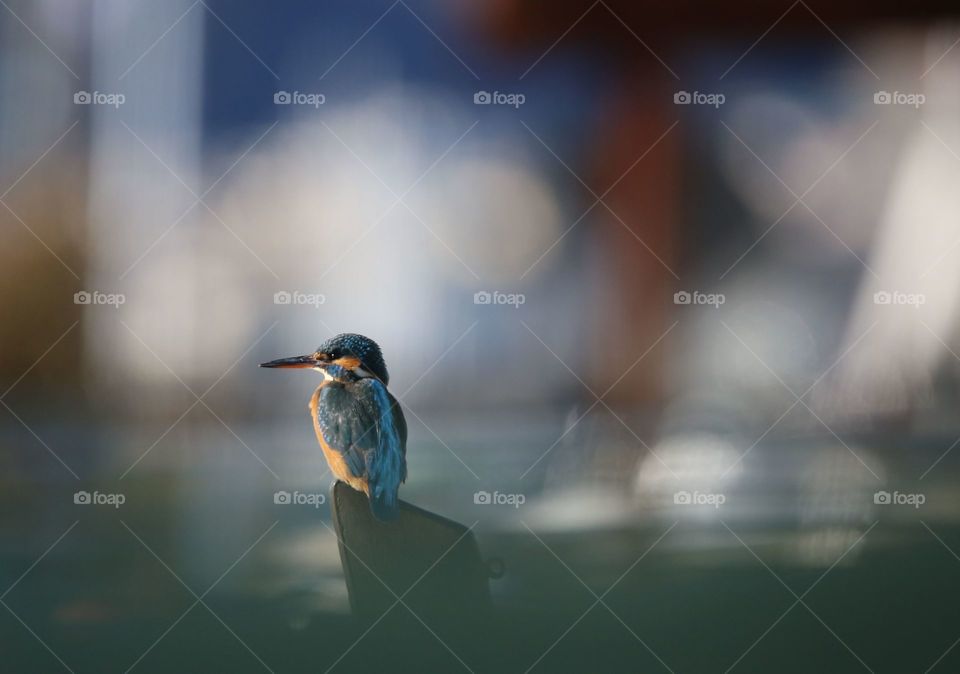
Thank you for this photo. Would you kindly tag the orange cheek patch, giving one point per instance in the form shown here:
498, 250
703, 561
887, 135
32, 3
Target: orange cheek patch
348, 362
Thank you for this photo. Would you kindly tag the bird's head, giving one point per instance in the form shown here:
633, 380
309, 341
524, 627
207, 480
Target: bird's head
344, 357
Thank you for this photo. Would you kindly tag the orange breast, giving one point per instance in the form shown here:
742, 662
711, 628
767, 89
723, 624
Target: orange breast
334, 458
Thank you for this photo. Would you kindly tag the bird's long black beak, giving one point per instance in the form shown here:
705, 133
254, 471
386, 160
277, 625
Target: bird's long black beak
296, 361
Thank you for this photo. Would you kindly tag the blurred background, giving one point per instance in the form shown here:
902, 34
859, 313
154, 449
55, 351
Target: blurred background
669, 297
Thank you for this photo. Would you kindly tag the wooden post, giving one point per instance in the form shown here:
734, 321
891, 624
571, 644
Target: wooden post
435, 559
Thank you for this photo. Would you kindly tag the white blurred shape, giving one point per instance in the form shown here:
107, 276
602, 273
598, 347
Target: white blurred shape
317, 199
916, 252
134, 198
688, 463
687, 460
831, 163
580, 508
498, 211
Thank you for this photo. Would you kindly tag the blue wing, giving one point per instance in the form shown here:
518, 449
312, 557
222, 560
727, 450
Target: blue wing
365, 424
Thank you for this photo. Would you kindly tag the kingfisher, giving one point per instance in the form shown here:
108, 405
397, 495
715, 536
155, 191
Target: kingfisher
359, 425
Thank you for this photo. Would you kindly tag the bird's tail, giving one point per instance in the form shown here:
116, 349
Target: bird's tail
385, 506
